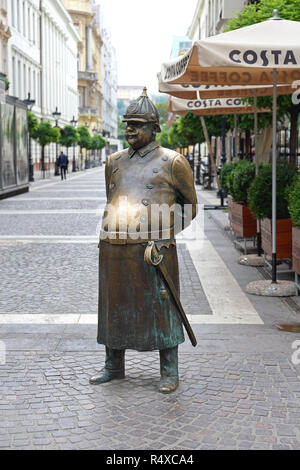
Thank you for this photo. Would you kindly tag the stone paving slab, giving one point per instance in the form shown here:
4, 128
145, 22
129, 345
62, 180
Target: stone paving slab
225, 401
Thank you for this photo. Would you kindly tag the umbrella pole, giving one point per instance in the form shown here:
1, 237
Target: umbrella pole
235, 136
259, 250
274, 163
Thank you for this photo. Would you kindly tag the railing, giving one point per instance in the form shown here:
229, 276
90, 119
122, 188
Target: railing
87, 110
93, 76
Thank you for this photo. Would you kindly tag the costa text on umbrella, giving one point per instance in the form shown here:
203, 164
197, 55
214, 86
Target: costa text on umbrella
251, 57
215, 103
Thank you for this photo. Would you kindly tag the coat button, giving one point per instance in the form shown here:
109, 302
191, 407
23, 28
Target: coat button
165, 159
143, 218
112, 185
155, 170
150, 186
145, 202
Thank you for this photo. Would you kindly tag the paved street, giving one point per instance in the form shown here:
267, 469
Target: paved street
239, 388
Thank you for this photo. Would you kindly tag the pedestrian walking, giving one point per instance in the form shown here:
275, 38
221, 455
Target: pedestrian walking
63, 163
137, 307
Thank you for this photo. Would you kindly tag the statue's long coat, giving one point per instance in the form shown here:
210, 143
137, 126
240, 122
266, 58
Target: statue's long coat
136, 310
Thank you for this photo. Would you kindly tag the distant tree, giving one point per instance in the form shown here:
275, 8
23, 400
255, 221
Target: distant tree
176, 139
163, 138
98, 142
69, 137
85, 139
33, 124
162, 108
44, 135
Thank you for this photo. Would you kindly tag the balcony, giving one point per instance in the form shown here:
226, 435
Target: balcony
87, 110
91, 76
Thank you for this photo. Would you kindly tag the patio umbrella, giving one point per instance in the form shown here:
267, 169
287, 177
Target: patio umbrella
194, 91
266, 53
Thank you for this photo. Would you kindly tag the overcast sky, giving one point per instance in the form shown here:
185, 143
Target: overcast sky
142, 32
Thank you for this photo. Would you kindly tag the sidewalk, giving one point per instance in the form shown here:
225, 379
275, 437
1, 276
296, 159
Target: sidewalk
239, 388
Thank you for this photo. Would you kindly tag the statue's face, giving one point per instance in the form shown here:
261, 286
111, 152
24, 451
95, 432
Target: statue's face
138, 134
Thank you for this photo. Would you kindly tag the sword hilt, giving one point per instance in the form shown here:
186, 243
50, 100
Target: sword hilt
152, 250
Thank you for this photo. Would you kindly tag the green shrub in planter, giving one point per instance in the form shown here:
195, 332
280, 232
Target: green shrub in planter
225, 175
260, 191
241, 177
294, 203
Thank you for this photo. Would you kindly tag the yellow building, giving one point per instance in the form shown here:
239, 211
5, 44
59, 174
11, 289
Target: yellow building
89, 63
4, 37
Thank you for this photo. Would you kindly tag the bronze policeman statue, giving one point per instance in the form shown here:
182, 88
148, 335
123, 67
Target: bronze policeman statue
148, 189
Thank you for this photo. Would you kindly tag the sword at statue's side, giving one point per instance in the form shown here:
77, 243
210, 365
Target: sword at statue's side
157, 262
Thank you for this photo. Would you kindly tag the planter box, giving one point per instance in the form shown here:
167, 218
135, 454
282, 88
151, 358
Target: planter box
243, 223
296, 249
283, 237
229, 203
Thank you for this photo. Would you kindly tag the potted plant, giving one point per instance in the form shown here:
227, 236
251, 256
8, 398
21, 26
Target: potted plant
294, 210
260, 204
237, 182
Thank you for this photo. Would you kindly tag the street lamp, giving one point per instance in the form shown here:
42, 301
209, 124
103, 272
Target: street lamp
29, 103
56, 116
86, 152
73, 122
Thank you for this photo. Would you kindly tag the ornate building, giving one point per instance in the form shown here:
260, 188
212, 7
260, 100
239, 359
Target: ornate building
42, 61
89, 63
4, 37
109, 77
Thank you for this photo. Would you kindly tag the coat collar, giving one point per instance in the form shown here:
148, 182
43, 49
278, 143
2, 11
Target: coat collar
143, 150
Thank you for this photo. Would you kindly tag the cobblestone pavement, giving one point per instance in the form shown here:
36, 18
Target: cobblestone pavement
224, 402
239, 389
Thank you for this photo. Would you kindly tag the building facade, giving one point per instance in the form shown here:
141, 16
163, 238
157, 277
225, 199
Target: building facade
88, 63
211, 16
4, 37
42, 61
109, 77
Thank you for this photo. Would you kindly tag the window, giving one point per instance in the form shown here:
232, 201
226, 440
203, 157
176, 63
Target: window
29, 24
19, 93
4, 58
38, 89
33, 28
25, 81
24, 19
14, 76
18, 25
13, 14
34, 86
29, 79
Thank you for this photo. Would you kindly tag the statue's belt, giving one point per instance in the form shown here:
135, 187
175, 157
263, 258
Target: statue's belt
153, 258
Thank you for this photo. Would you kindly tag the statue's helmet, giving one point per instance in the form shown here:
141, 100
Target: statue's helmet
143, 110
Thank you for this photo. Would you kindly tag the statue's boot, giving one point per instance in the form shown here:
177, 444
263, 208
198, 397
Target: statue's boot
169, 379
114, 367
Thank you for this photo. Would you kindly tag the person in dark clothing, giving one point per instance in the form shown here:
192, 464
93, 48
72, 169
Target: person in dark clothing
63, 162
